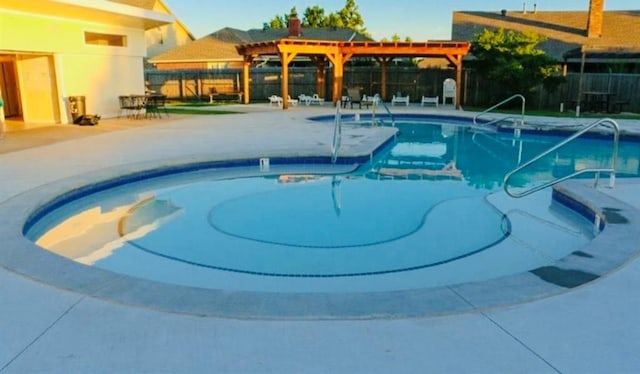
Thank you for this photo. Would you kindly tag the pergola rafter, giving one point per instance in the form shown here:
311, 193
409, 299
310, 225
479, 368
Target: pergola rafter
339, 52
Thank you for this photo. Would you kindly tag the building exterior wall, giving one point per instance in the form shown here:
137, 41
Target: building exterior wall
165, 38
53, 62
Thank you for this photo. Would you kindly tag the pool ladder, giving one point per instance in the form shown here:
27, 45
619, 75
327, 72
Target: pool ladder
611, 170
517, 120
376, 100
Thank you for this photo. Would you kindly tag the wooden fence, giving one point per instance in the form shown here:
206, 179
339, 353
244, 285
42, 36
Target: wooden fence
476, 92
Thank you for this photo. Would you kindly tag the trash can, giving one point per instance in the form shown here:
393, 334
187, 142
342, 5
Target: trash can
77, 108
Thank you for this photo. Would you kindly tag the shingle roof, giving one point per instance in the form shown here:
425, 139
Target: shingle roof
207, 48
565, 30
220, 45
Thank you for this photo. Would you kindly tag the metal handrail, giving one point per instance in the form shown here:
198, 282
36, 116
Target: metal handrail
516, 96
337, 134
611, 170
376, 100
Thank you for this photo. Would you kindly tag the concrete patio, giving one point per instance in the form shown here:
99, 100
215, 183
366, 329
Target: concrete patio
594, 328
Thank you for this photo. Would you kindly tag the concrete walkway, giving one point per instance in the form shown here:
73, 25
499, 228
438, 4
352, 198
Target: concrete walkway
594, 328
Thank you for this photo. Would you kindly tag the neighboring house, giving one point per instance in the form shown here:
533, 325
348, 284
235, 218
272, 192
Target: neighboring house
51, 50
164, 38
218, 50
609, 39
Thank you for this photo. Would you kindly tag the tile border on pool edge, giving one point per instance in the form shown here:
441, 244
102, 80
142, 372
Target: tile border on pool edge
597, 258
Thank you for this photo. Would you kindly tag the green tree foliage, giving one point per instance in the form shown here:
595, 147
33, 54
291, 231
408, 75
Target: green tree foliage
314, 17
513, 62
349, 16
281, 21
277, 22
396, 38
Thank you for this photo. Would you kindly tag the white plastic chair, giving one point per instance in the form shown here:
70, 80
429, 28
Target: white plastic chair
400, 100
449, 91
429, 100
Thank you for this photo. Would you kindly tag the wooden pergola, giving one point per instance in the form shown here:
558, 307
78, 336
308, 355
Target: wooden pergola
338, 53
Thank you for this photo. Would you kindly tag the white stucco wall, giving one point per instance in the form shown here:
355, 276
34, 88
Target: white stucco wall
52, 55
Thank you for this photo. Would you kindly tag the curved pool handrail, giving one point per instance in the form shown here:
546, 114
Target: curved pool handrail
511, 98
376, 100
337, 134
611, 170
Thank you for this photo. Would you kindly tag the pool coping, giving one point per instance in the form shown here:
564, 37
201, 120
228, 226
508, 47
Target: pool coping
593, 261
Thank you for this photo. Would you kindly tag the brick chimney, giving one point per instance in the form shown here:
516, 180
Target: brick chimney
596, 14
295, 26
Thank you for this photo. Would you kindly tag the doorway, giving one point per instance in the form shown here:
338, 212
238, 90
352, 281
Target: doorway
9, 88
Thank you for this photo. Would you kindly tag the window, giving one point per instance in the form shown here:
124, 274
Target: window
105, 39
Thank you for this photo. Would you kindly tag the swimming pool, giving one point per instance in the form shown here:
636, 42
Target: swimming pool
425, 212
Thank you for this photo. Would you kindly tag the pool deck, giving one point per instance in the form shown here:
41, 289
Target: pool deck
594, 328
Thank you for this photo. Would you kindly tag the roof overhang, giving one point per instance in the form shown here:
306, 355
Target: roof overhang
99, 11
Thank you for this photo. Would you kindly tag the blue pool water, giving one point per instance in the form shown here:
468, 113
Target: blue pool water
426, 211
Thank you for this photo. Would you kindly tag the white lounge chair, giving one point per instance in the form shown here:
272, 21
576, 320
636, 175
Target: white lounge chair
429, 100
308, 100
292, 102
400, 100
275, 100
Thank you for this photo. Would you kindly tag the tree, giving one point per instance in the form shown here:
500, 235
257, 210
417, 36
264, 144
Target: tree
277, 22
281, 21
349, 16
513, 62
314, 17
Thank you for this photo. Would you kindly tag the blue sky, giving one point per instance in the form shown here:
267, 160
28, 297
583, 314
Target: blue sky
419, 19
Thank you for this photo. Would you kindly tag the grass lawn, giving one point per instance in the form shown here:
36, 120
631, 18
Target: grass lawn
203, 111
198, 107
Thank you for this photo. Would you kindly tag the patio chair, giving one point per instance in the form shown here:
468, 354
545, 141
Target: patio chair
354, 97
126, 106
308, 100
449, 91
429, 100
275, 99
304, 99
370, 100
156, 105
292, 102
315, 99
132, 105
399, 99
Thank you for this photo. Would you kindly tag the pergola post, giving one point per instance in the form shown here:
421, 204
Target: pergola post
320, 63
457, 61
384, 62
245, 78
338, 73
285, 58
